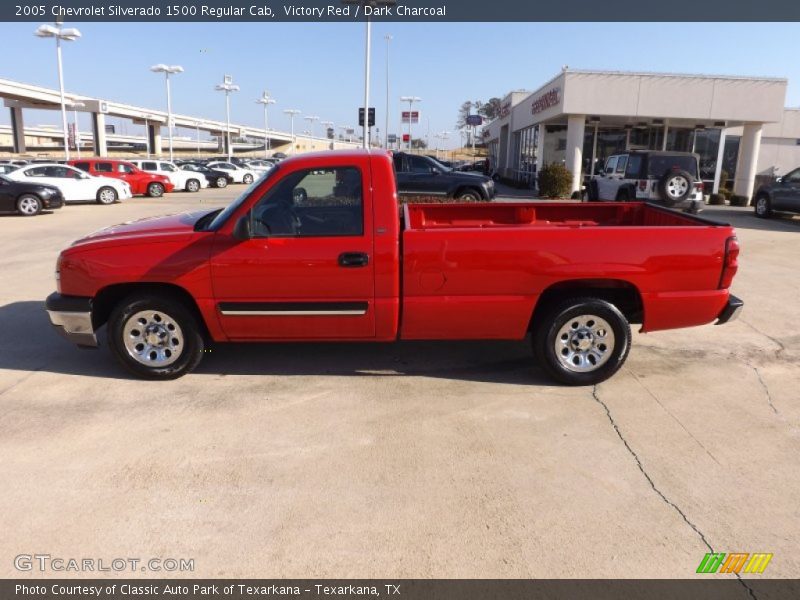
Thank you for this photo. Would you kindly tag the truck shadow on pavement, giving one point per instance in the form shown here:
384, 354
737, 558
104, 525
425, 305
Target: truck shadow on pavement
30, 344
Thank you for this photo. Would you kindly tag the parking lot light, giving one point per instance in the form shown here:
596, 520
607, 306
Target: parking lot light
227, 86
292, 112
168, 70
329, 125
266, 100
311, 119
69, 34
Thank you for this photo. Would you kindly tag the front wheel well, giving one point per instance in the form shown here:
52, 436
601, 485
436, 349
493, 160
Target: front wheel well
622, 294
107, 298
468, 188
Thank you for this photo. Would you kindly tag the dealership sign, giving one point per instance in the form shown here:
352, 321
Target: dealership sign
410, 116
474, 120
546, 100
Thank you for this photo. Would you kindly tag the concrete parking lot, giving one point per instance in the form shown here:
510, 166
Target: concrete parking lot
404, 460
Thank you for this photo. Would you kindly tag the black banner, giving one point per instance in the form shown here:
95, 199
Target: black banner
400, 10
714, 588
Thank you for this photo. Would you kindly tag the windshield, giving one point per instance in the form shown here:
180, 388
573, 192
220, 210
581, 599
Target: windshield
218, 221
439, 165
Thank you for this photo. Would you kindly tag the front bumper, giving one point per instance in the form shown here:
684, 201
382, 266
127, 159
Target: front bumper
731, 310
72, 318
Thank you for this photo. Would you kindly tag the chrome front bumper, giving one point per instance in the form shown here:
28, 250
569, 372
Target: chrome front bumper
72, 318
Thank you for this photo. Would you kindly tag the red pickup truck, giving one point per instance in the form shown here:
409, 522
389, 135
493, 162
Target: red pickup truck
318, 250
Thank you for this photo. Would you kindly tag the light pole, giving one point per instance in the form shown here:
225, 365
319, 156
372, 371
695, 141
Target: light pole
266, 100
68, 35
328, 125
311, 119
292, 112
168, 70
227, 86
388, 39
411, 100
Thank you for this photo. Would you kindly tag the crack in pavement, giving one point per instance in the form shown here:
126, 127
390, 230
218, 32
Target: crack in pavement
765, 386
652, 484
776, 341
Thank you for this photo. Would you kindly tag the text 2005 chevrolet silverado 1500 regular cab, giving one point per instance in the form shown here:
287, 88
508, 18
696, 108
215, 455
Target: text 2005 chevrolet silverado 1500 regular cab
317, 250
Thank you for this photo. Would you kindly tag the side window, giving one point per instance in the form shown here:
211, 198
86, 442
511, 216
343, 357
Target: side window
83, 166
167, 167
103, 167
398, 163
418, 164
37, 172
312, 203
611, 164
123, 168
634, 168
59, 172
623, 160
149, 166
792, 176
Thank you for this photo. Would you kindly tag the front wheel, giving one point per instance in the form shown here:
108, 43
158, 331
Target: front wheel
155, 337
155, 190
582, 341
247, 179
222, 182
29, 205
468, 196
763, 207
107, 195
193, 185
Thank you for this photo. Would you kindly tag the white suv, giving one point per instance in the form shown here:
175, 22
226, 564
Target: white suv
182, 180
668, 178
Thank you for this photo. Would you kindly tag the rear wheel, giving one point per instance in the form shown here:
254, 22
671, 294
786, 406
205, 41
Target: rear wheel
29, 205
193, 185
468, 196
155, 337
676, 186
582, 341
155, 190
763, 207
222, 182
107, 195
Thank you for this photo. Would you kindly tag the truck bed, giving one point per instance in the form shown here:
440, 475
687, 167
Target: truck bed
545, 214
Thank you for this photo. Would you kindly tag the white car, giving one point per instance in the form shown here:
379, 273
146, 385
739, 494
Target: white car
182, 180
76, 185
260, 166
239, 174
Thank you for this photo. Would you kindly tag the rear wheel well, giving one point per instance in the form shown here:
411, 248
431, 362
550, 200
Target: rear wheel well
107, 298
620, 293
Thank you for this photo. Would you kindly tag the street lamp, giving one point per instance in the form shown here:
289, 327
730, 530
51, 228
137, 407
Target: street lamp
292, 112
69, 34
227, 86
168, 70
388, 39
311, 119
411, 100
266, 100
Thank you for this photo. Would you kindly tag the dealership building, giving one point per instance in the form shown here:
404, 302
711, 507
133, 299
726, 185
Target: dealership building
737, 125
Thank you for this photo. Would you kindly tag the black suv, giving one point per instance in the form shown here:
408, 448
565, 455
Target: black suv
781, 196
424, 176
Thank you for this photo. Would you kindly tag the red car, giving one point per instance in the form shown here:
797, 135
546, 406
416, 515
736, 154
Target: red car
141, 182
318, 251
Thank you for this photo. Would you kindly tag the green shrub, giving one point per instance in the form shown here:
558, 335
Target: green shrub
739, 200
555, 181
716, 199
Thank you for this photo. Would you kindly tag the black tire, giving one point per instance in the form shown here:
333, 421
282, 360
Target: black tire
587, 313
221, 182
29, 205
592, 192
247, 179
469, 195
624, 195
763, 206
107, 195
193, 185
155, 190
173, 312
675, 187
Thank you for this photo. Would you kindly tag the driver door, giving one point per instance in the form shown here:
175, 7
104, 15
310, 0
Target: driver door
307, 272
787, 193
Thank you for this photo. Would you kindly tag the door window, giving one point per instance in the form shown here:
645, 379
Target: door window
83, 166
103, 167
634, 168
149, 166
418, 164
792, 176
611, 165
61, 173
167, 167
398, 164
37, 172
312, 203
123, 168
621, 163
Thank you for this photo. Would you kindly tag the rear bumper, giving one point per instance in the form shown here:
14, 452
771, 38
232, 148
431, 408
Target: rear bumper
72, 318
731, 310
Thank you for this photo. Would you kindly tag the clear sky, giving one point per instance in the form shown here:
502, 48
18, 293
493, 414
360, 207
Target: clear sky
318, 68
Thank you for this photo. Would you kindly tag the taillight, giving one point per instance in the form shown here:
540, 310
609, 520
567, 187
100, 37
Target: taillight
700, 186
642, 185
730, 264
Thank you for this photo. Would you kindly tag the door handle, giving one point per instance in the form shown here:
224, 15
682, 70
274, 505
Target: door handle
353, 259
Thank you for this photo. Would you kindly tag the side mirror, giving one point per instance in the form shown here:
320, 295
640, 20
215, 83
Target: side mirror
242, 231
779, 180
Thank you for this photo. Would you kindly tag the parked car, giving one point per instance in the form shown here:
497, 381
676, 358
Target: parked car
216, 178
317, 251
27, 198
259, 166
781, 196
141, 183
671, 179
239, 174
7, 168
424, 176
75, 185
15, 162
236, 160
180, 179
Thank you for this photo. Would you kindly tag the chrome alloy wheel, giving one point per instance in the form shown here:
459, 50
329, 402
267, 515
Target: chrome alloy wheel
584, 343
677, 186
153, 338
761, 206
28, 206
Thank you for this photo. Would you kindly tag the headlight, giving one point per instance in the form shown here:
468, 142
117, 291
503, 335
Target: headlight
46, 192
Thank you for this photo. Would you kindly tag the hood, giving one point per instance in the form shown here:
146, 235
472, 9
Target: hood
164, 228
